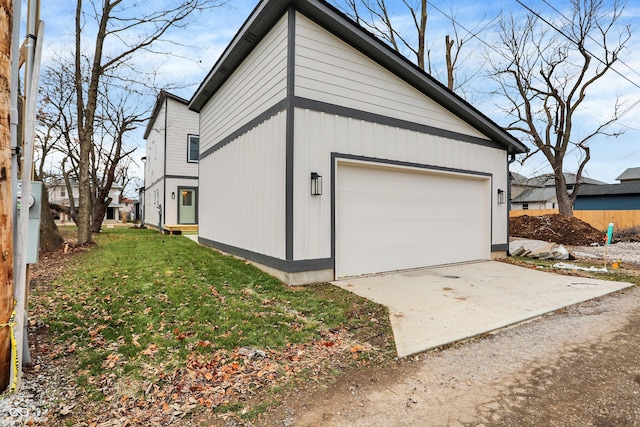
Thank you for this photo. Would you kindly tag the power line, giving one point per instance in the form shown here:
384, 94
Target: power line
589, 35
576, 42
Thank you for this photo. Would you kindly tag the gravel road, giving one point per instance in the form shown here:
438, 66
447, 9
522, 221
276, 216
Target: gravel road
628, 252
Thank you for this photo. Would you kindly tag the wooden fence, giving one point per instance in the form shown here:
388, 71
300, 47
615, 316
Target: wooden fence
597, 219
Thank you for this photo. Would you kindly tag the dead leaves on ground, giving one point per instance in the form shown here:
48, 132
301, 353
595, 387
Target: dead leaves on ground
206, 382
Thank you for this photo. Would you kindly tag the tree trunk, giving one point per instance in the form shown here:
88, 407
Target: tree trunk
50, 237
6, 197
448, 45
565, 207
99, 211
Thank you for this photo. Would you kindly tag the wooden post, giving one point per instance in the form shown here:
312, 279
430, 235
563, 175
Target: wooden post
6, 197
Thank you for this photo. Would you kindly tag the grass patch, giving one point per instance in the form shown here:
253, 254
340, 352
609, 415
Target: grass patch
142, 311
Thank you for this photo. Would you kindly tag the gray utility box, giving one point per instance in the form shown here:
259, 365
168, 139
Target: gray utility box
34, 201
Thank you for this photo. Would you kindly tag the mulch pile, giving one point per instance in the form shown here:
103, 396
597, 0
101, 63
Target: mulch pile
561, 229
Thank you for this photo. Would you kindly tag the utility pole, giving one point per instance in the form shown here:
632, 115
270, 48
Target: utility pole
6, 197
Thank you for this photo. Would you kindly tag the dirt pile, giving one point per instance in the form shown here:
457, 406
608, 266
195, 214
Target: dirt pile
561, 229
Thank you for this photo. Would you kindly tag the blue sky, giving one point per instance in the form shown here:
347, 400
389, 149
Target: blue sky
206, 37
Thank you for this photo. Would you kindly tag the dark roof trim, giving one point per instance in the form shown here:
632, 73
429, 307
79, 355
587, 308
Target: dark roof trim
158, 105
267, 12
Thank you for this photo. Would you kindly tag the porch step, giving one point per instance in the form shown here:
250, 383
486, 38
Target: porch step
179, 228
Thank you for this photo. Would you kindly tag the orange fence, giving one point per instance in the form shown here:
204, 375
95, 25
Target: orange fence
597, 219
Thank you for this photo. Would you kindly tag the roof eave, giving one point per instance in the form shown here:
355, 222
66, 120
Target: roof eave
262, 19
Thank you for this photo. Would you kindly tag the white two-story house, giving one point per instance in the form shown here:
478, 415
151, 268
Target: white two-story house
59, 194
171, 164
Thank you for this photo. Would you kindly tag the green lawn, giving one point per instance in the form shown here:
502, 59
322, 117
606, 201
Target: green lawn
141, 311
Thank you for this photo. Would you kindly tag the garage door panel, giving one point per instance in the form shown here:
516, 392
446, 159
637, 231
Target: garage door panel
414, 219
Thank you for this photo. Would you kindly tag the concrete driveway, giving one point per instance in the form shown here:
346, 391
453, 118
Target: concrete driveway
436, 306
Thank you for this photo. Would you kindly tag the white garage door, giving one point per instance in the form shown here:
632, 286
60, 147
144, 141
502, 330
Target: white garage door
390, 218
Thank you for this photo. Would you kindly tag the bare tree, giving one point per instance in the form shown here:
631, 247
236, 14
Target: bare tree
377, 17
121, 34
545, 72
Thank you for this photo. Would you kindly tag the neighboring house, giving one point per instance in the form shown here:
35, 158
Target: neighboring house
519, 184
629, 175
327, 154
539, 192
58, 194
127, 209
622, 196
171, 164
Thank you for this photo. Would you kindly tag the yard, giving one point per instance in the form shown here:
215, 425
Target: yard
152, 329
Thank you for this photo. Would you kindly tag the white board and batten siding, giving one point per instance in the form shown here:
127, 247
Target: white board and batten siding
242, 197
154, 163
329, 70
257, 84
181, 122
154, 169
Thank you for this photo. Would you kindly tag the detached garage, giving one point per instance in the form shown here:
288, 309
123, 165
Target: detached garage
325, 154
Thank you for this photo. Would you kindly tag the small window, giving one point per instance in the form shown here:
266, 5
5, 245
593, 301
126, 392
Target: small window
194, 148
62, 192
525, 206
187, 198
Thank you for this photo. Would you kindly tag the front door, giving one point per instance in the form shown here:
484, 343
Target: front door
187, 206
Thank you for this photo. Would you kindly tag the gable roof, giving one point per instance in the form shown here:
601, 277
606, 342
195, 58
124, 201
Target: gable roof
631, 174
543, 194
268, 12
158, 105
609, 189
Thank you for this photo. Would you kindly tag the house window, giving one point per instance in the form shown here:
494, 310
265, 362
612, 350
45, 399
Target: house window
62, 192
525, 206
194, 148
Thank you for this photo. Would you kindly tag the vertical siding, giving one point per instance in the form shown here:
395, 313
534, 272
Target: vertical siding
257, 84
154, 166
242, 197
151, 214
329, 70
180, 122
318, 134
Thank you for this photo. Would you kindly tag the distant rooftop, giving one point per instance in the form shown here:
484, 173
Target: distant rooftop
631, 174
538, 194
610, 189
547, 180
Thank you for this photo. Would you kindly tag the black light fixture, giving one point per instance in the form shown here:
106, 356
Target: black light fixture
316, 184
501, 197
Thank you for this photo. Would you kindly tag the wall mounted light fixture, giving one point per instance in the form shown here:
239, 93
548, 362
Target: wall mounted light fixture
173, 194
502, 197
316, 184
